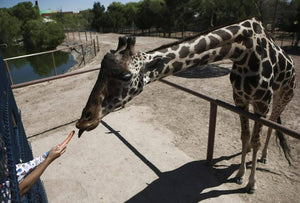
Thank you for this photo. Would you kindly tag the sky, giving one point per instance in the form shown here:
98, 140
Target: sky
64, 5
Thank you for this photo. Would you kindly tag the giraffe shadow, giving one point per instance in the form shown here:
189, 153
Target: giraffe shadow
291, 50
207, 71
186, 183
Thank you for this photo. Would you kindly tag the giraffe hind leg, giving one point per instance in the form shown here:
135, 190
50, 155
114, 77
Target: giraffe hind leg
283, 143
279, 103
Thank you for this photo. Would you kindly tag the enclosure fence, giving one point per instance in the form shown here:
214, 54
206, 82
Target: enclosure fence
14, 147
83, 52
214, 103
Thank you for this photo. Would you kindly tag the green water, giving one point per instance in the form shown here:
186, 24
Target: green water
36, 67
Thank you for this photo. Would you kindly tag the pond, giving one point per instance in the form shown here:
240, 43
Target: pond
36, 67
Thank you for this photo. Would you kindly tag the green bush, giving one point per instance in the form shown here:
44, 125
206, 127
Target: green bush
10, 27
39, 35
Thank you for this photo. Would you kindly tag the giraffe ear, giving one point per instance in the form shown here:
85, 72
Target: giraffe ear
122, 44
129, 51
130, 45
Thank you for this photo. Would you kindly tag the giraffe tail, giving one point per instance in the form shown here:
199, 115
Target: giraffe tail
283, 144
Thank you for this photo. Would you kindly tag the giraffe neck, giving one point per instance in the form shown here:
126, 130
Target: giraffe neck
230, 42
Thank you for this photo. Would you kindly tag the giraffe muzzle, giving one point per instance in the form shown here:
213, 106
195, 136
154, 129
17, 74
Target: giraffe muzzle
86, 126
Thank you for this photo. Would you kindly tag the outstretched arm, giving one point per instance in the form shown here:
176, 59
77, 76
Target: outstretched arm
30, 180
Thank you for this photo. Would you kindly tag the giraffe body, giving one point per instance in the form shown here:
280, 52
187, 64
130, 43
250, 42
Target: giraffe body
261, 73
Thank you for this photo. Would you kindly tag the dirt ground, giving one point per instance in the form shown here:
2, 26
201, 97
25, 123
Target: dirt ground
44, 110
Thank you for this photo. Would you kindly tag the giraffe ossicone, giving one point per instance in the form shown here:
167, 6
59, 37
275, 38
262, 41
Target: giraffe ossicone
262, 72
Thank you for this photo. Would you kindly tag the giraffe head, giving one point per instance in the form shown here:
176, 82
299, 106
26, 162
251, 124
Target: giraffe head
119, 80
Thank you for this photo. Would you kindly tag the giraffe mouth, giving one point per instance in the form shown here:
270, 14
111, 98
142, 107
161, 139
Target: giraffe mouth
86, 126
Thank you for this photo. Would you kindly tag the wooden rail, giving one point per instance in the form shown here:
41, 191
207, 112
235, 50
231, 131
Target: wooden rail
41, 53
214, 103
213, 114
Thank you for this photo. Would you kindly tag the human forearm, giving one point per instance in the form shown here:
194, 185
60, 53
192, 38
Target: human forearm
41, 164
31, 179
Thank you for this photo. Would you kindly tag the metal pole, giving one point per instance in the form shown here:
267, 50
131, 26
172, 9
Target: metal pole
24, 84
97, 43
83, 54
274, 17
54, 66
95, 47
7, 69
211, 133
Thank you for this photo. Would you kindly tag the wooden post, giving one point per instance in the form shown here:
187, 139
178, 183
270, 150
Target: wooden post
7, 69
54, 66
83, 54
95, 47
91, 36
73, 35
79, 36
274, 18
85, 36
211, 133
97, 43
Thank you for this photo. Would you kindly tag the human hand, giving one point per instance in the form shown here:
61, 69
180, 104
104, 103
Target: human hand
56, 152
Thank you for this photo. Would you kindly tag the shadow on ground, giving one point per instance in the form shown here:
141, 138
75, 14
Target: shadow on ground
207, 71
186, 183
291, 50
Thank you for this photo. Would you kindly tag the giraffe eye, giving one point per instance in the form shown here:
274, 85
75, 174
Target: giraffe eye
126, 76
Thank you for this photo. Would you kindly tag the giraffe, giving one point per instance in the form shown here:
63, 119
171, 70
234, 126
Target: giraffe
262, 72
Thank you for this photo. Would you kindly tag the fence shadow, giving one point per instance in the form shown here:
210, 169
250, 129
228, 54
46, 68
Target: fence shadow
183, 184
207, 71
186, 183
291, 50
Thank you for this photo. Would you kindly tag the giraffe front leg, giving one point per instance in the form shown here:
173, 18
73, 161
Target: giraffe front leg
245, 137
255, 142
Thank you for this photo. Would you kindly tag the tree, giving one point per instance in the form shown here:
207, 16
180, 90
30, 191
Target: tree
10, 27
25, 11
145, 16
130, 13
116, 12
211, 13
86, 18
39, 35
98, 16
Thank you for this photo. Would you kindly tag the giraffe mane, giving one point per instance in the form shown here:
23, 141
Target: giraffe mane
164, 46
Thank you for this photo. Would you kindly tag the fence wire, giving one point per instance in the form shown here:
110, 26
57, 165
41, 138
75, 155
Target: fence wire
14, 147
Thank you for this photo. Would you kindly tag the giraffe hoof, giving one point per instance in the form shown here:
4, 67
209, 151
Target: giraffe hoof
263, 160
239, 180
250, 189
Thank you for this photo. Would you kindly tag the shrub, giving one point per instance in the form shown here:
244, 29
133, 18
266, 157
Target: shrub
39, 35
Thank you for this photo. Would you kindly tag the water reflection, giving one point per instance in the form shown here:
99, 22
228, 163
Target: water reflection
36, 67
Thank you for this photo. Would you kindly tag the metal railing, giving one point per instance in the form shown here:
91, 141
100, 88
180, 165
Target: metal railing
47, 52
14, 147
214, 103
